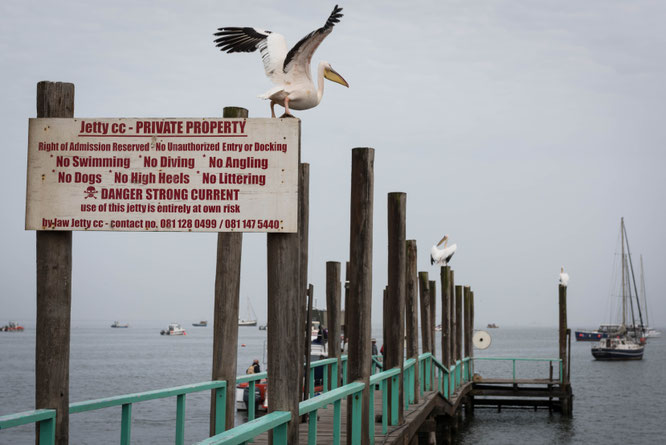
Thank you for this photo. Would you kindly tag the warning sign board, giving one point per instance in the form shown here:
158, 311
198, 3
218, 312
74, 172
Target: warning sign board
198, 175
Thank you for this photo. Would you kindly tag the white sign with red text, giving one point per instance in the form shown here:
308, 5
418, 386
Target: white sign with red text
161, 174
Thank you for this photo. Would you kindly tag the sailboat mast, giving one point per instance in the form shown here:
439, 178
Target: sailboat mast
633, 278
647, 317
624, 300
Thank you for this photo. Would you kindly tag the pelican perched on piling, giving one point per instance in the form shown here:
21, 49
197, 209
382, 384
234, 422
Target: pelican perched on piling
442, 256
289, 71
564, 277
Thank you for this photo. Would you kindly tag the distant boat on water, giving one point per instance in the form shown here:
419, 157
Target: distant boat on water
250, 317
624, 344
492, 326
173, 329
12, 326
201, 324
117, 324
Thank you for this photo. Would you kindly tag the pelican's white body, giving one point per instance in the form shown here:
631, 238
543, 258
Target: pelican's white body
442, 256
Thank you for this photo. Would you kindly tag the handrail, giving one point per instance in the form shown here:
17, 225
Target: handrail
44, 417
276, 421
525, 359
126, 401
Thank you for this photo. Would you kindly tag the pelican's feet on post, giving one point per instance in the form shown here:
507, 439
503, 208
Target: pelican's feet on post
287, 115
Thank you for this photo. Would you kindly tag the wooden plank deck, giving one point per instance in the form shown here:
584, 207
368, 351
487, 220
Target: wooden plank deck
414, 418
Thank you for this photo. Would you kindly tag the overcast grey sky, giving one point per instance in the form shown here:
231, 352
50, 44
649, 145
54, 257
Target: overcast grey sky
524, 130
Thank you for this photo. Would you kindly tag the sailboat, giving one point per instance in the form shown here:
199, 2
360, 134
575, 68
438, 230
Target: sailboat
250, 317
624, 344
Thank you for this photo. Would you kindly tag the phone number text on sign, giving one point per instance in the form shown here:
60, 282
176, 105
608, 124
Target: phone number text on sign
206, 175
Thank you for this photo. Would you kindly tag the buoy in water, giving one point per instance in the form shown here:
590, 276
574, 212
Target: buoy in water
242, 345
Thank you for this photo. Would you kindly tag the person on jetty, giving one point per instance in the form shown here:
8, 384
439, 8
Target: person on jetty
374, 347
254, 367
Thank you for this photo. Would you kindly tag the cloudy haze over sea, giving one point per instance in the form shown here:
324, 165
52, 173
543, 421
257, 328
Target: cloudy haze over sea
524, 130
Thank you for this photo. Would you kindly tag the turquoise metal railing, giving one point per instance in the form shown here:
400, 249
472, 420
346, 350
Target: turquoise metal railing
45, 418
179, 392
335, 396
276, 421
514, 360
382, 379
448, 381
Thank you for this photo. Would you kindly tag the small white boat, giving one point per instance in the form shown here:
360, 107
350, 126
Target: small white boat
173, 329
250, 316
117, 324
622, 348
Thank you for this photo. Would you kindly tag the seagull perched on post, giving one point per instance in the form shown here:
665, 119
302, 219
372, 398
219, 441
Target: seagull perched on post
564, 277
289, 71
442, 256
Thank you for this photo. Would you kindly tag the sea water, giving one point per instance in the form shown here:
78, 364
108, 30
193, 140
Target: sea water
619, 402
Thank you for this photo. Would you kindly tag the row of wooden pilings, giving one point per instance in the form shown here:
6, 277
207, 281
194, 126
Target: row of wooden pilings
287, 259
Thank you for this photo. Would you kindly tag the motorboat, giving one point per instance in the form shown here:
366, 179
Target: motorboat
12, 326
117, 324
201, 324
619, 348
173, 329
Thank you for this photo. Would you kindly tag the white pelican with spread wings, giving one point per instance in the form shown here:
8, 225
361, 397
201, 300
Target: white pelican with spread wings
442, 256
289, 70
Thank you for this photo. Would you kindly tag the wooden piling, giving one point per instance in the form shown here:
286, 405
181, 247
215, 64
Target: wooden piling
360, 284
459, 323
225, 307
432, 289
394, 348
346, 312
424, 297
411, 312
452, 316
284, 329
333, 314
445, 277
303, 238
54, 290
467, 322
563, 331
308, 345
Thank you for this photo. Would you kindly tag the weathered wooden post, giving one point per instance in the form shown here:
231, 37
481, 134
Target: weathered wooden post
303, 234
54, 290
360, 284
411, 312
394, 352
284, 327
445, 275
459, 323
452, 317
467, 321
563, 331
432, 289
225, 316
308, 345
333, 292
346, 312
424, 294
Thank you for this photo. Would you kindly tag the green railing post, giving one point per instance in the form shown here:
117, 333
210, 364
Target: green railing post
357, 415
412, 371
180, 419
385, 406
311, 382
251, 399
280, 435
344, 372
334, 375
336, 422
446, 386
312, 428
47, 431
220, 409
371, 413
325, 378
126, 424
514, 370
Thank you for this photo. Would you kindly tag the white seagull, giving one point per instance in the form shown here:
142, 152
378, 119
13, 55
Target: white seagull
564, 277
289, 71
442, 256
